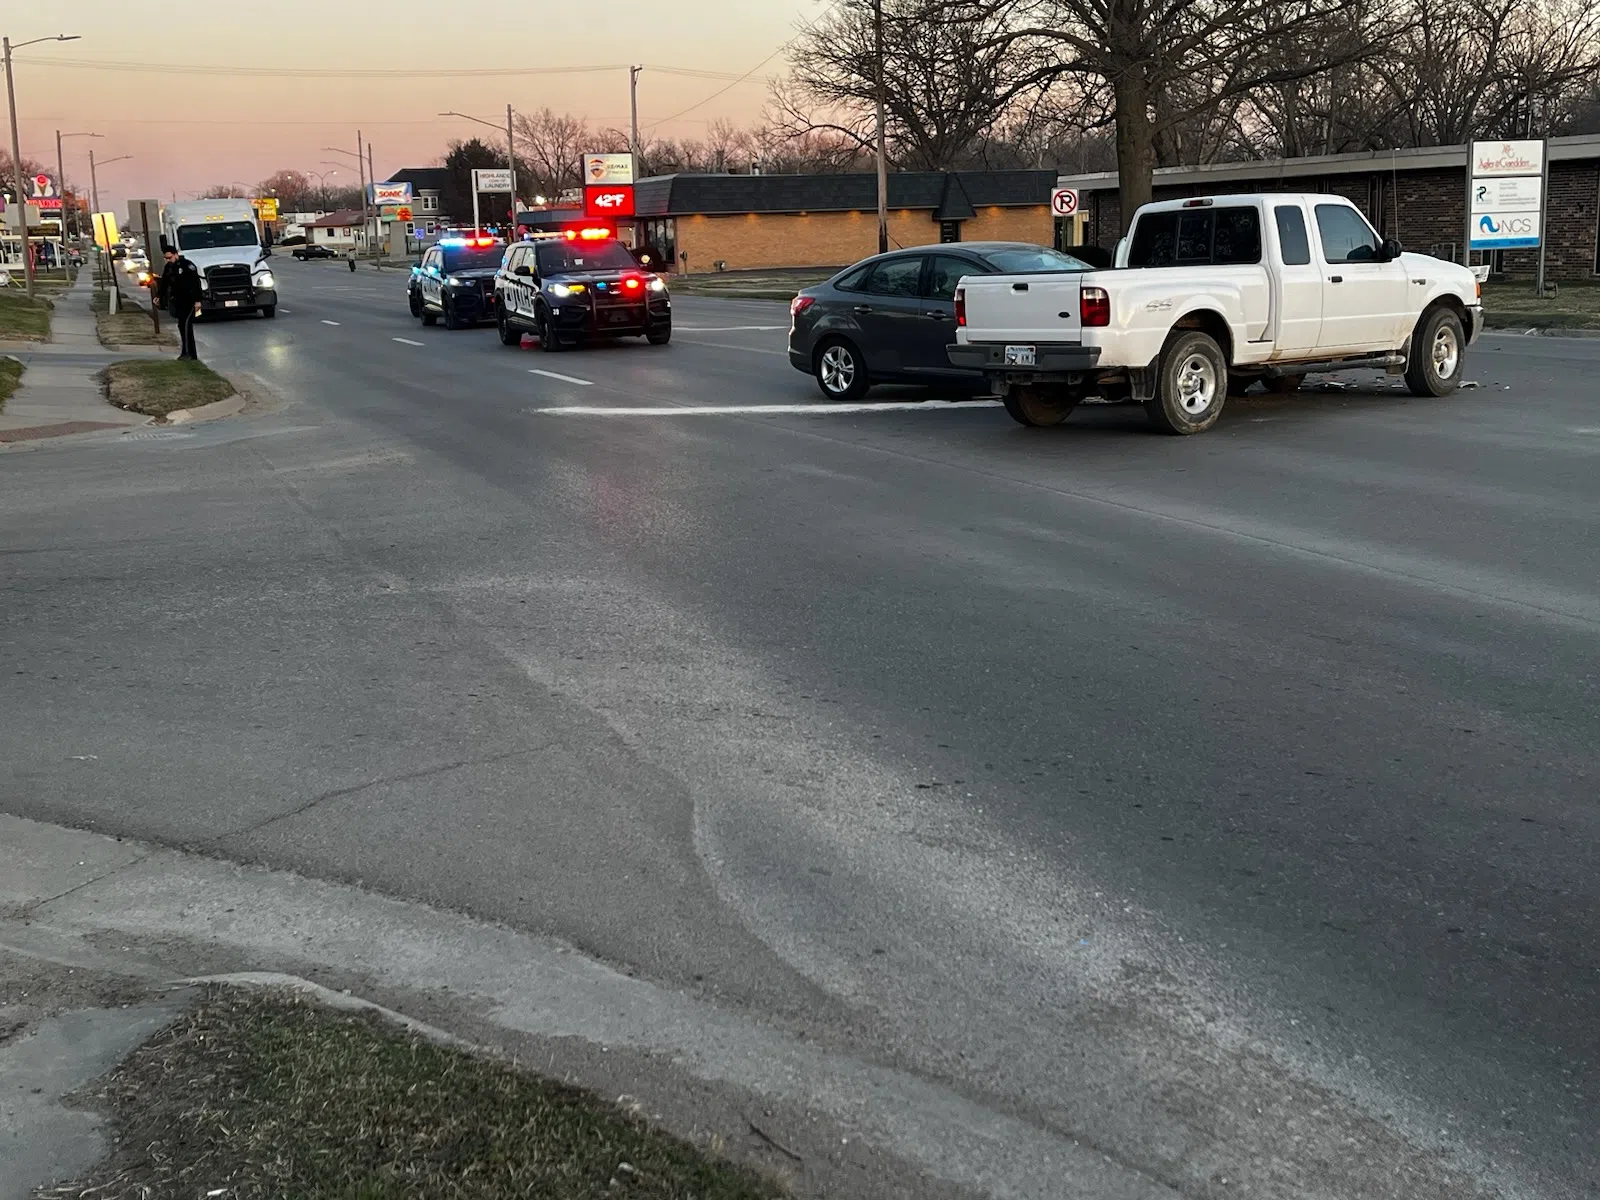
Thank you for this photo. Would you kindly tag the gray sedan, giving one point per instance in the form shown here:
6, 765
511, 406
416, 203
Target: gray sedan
888, 318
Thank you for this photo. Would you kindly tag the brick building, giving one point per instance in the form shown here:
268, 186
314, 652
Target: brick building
1418, 196
696, 222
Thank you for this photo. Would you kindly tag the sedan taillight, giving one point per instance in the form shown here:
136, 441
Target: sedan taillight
961, 306
799, 304
1094, 306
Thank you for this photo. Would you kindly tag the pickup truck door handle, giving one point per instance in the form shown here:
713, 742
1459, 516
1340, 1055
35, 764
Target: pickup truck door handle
862, 309
1336, 279
1019, 287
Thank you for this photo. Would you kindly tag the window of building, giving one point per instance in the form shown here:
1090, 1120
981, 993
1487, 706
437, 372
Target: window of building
949, 231
1346, 236
1293, 240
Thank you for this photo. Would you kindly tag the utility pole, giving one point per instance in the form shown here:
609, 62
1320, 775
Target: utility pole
361, 176
372, 177
61, 190
511, 157
883, 160
633, 106
16, 173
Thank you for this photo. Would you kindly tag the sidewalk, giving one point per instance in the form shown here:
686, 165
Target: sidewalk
59, 394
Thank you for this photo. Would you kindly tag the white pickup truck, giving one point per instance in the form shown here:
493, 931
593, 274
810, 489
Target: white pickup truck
1217, 292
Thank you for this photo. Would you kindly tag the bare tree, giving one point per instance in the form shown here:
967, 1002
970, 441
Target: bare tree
553, 145
294, 190
224, 191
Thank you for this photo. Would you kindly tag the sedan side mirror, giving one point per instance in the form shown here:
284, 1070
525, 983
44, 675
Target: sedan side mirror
1391, 249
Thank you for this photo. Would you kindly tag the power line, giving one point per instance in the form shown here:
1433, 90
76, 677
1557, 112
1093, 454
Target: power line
147, 68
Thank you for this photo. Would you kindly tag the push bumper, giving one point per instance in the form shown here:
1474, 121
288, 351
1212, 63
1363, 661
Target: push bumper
990, 358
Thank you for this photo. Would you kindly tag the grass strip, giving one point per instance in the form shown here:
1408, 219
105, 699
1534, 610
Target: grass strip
261, 1094
1515, 306
131, 326
10, 378
23, 319
162, 386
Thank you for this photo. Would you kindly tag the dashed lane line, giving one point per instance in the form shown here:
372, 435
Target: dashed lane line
717, 410
563, 378
407, 341
325, 321
727, 328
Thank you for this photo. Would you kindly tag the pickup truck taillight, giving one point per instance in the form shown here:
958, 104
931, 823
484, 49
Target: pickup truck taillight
961, 306
1094, 306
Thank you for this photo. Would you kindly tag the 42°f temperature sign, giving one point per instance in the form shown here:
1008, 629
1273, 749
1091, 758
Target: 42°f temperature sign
1064, 201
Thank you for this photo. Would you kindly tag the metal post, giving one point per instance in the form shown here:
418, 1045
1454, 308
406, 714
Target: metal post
61, 188
1544, 211
477, 227
361, 178
511, 157
883, 160
155, 313
633, 106
94, 200
372, 177
1466, 246
16, 170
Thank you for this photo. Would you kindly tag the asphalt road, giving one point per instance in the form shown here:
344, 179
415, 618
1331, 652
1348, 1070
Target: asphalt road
1227, 803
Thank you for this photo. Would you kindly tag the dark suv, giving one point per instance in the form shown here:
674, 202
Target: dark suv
569, 288
455, 280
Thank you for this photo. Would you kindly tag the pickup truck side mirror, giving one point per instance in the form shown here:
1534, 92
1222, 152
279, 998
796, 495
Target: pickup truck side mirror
1390, 250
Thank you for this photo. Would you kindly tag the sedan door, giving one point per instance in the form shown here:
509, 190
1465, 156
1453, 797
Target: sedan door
936, 327
888, 313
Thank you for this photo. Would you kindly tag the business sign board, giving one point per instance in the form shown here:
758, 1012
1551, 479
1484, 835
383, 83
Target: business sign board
43, 191
267, 208
492, 179
607, 170
1507, 158
1064, 201
608, 201
1505, 196
391, 193
106, 233
1505, 230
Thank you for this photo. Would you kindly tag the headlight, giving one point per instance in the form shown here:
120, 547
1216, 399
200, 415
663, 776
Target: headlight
265, 280
658, 285
452, 280
560, 291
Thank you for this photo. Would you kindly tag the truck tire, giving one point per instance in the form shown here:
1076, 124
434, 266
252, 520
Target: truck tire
1038, 407
1437, 355
840, 370
1191, 385
269, 311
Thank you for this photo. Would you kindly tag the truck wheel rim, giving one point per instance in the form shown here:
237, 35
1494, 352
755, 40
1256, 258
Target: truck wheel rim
1197, 384
838, 369
1446, 353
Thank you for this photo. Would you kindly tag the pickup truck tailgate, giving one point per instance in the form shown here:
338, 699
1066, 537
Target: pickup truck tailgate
1021, 308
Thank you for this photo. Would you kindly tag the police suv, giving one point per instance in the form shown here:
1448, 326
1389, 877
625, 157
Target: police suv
581, 283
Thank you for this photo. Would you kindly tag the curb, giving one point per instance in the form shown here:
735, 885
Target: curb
1539, 331
208, 412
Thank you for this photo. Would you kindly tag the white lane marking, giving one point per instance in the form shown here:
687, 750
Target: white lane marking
563, 378
284, 311
808, 410
407, 341
325, 321
731, 346
726, 328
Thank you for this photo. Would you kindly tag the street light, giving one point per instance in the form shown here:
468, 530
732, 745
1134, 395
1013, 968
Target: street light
511, 155
322, 181
61, 170
16, 144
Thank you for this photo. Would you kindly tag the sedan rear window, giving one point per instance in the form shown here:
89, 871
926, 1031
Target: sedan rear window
1033, 260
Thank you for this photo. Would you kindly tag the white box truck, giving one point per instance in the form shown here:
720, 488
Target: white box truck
223, 240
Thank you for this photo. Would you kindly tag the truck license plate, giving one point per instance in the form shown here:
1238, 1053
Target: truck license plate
1020, 356
230, 304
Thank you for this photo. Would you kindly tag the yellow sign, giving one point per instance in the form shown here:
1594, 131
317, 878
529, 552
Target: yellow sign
106, 233
267, 208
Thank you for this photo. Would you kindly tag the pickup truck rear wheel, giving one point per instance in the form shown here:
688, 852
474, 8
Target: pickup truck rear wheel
1436, 358
1192, 384
1038, 407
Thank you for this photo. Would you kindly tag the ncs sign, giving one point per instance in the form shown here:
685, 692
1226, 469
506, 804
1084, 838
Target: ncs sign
1505, 231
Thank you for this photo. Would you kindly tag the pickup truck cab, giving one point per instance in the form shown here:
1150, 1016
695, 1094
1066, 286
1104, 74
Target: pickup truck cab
1213, 291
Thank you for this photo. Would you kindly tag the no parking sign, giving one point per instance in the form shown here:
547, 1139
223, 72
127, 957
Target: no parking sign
1064, 201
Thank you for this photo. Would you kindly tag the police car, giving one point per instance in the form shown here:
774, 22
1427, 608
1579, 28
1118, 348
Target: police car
455, 280
581, 283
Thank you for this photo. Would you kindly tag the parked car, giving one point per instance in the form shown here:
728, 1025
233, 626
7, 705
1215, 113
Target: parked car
889, 318
314, 250
1215, 288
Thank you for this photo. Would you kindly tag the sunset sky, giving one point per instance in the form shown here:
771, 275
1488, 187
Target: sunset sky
243, 121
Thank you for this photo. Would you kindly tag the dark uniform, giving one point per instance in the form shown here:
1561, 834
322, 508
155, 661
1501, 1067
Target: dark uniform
179, 293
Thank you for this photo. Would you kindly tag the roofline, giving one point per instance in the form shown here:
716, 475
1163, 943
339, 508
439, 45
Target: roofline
1417, 158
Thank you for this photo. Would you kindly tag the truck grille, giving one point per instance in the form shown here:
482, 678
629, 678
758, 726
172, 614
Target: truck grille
230, 280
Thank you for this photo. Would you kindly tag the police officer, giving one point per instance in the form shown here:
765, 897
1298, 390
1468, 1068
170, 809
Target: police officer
179, 293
